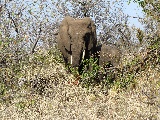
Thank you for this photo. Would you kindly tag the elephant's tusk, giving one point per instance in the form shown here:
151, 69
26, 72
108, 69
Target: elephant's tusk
83, 54
71, 59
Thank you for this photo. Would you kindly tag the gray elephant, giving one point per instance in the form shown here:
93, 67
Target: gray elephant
108, 58
109, 55
77, 40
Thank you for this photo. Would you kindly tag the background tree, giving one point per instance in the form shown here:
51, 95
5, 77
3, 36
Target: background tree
152, 21
150, 36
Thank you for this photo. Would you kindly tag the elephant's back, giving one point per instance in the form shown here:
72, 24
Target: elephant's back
110, 53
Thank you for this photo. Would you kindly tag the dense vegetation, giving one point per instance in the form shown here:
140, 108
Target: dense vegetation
32, 69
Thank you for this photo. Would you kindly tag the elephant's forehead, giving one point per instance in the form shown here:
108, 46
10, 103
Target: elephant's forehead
79, 23
79, 27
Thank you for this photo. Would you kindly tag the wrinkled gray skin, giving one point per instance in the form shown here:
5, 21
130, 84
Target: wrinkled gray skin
108, 54
77, 39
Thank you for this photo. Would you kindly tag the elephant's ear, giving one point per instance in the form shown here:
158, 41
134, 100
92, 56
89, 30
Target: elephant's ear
63, 33
93, 37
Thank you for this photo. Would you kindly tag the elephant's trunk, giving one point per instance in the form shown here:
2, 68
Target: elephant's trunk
76, 58
77, 50
83, 54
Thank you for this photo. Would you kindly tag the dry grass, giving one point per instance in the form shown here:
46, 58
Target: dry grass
62, 99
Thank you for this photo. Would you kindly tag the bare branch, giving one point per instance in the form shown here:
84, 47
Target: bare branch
35, 44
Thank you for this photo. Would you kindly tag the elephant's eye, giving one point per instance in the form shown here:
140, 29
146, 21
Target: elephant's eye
89, 26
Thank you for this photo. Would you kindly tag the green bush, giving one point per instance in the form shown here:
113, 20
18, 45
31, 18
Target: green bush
88, 77
106, 77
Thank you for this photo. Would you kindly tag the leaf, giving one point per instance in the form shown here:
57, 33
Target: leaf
30, 12
0, 43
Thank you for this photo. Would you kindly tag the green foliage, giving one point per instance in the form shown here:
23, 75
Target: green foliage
88, 77
3, 89
123, 82
74, 71
21, 105
152, 10
140, 35
97, 75
155, 43
150, 7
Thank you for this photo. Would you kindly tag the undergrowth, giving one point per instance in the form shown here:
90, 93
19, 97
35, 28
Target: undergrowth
43, 87
16, 75
19, 74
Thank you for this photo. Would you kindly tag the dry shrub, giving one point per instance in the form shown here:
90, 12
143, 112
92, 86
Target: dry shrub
56, 94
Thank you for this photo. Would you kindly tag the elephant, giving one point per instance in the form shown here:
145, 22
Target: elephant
77, 40
108, 58
109, 55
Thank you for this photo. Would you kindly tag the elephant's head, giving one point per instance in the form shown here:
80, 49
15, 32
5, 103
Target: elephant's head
77, 39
